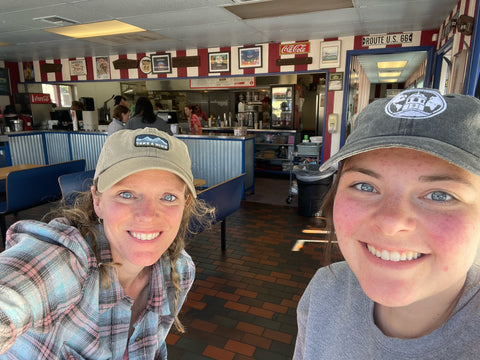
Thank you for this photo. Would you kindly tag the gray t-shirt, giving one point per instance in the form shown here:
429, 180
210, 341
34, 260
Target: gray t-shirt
335, 321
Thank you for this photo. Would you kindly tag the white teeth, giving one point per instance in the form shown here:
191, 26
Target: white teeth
144, 236
393, 255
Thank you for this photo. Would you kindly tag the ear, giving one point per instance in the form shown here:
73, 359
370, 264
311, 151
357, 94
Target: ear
96, 202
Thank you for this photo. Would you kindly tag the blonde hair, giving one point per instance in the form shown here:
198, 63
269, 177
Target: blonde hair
82, 216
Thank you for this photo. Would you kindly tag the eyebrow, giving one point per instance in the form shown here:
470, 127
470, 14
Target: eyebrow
423, 178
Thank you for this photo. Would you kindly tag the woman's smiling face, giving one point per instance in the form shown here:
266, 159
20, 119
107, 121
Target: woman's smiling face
407, 223
141, 215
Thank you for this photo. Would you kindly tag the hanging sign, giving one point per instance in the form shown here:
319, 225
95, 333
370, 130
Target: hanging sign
387, 39
295, 48
222, 82
40, 99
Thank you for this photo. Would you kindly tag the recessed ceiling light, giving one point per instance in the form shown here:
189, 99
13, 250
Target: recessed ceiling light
102, 28
391, 64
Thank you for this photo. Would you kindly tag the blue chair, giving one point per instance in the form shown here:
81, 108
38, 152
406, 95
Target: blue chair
74, 183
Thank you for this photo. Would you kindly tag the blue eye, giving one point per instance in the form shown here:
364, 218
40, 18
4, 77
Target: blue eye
126, 195
365, 187
169, 197
439, 196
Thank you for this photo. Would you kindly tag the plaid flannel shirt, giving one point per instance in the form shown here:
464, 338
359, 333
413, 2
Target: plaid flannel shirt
52, 305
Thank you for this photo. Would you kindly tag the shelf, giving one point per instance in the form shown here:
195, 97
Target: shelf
267, 158
273, 144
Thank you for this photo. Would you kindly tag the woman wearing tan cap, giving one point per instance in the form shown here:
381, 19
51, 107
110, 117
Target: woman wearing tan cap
106, 278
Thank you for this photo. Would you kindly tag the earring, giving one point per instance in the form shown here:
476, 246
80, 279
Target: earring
100, 220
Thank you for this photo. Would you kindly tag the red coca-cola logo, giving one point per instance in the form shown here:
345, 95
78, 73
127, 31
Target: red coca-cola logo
295, 48
40, 99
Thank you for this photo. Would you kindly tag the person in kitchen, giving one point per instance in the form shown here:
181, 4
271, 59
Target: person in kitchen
121, 114
146, 117
106, 278
193, 120
405, 210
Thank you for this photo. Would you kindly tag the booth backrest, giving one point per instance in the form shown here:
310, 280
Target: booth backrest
32, 187
72, 184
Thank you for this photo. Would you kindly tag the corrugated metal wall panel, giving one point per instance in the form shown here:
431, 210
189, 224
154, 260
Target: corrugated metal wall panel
88, 147
57, 147
27, 149
215, 160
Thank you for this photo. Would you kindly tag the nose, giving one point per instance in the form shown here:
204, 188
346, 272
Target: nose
146, 210
395, 215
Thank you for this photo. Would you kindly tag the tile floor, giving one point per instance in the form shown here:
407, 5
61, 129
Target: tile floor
243, 302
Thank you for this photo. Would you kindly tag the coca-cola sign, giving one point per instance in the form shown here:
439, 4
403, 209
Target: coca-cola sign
295, 48
40, 99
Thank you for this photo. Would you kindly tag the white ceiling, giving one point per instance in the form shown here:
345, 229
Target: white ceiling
188, 24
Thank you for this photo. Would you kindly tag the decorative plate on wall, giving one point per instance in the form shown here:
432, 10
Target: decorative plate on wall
146, 65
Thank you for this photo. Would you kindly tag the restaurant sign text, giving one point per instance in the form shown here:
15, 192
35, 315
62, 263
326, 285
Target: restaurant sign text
295, 48
387, 39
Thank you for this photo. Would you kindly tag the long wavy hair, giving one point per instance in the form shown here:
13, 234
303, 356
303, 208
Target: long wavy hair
82, 216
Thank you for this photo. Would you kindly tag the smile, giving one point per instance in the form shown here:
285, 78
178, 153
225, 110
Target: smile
394, 255
144, 236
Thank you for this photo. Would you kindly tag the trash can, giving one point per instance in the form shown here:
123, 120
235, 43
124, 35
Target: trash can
312, 188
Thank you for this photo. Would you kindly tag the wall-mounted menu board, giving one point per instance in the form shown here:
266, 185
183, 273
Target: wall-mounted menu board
4, 82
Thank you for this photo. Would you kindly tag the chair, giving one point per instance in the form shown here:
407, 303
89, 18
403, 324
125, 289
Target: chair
74, 183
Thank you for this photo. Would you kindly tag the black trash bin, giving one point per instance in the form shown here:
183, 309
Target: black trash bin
312, 188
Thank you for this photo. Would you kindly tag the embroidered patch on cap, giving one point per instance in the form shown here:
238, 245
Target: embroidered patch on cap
147, 140
416, 104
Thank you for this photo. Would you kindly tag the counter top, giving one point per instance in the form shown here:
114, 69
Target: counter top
215, 136
250, 130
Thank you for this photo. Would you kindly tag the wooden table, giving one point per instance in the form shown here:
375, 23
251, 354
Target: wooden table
4, 171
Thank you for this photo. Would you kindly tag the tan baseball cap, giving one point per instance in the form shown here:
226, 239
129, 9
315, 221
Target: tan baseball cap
126, 152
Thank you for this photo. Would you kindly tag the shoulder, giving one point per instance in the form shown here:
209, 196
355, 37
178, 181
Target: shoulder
334, 281
57, 236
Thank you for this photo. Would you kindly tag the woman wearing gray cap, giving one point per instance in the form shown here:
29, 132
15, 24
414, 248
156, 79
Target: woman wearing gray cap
405, 210
106, 278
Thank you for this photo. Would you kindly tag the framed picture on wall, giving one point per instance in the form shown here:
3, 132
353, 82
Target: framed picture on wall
219, 62
250, 57
335, 81
330, 54
102, 66
161, 64
78, 67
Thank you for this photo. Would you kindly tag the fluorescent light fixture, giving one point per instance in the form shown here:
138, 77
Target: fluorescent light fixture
102, 28
389, 80
389, 74
391, 64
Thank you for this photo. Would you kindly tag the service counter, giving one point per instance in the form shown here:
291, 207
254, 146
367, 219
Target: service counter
215, 158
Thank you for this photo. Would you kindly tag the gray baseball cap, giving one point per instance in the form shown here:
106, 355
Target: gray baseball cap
445, 126
126, 152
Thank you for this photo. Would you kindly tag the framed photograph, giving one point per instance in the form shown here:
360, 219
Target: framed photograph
250, 57
28, 72
145, 65
102, 66
78, 67
161, 64
330, 54
335, 81
219, 62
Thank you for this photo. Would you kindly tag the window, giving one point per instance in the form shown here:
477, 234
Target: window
61, 95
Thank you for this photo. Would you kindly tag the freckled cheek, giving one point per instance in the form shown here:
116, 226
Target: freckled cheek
453, 236
347, 216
